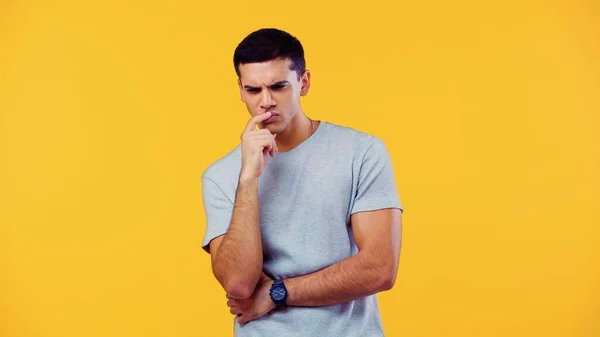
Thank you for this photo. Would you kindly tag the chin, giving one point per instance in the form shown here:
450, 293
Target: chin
275, 127
272, 127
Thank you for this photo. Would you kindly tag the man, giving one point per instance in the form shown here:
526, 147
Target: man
303, 216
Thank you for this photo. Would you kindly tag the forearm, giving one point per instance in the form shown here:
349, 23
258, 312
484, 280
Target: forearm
238, 261
350, 279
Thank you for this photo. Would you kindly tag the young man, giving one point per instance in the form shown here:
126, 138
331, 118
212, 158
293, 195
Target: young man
303, 216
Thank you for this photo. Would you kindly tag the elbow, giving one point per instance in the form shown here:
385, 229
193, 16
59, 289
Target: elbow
238, 285
384, 269
239, 289
387, 281
387, 277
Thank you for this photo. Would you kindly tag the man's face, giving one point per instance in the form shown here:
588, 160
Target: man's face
272, 86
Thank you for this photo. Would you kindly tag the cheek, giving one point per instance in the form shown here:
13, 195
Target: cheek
284, 98
250, 101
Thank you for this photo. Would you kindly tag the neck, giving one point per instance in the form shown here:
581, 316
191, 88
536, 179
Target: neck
296, 132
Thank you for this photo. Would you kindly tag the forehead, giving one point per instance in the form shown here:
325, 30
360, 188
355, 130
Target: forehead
266, 72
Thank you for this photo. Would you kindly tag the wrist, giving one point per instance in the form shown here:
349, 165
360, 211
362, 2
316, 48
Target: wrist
278, 293
269, 286
246, 179
290, 287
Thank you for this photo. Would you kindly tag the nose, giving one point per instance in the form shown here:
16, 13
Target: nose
266, 100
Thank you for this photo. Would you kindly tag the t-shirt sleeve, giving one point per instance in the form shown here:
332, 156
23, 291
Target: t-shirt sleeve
376, 187
218, 209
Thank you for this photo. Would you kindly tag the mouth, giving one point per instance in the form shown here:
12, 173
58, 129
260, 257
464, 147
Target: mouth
272, 118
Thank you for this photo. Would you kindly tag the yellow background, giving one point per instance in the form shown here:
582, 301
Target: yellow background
109, 112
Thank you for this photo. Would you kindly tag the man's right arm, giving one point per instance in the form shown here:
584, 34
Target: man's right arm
237, 255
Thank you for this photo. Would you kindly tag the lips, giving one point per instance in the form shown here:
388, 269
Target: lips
271, 119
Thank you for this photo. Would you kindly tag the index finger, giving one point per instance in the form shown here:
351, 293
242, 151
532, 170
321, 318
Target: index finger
257, 119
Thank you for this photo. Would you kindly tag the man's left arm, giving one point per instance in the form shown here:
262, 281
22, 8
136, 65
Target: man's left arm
378, 236
376, 226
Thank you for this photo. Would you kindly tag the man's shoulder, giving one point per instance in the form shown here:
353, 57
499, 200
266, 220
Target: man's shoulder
351, 137
225, 167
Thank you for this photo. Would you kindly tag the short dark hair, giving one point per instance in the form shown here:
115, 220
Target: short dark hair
268, 44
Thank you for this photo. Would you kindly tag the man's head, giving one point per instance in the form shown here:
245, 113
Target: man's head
271, 75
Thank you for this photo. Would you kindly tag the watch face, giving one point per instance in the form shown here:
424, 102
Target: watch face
278, 293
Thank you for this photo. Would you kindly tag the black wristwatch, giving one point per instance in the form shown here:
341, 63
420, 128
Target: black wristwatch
278, 293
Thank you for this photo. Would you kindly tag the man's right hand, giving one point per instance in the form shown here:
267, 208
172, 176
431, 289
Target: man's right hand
256, 146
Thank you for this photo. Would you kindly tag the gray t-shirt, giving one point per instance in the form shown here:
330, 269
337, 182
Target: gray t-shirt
306, 198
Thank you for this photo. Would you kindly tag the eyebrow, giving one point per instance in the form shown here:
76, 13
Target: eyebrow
249, 87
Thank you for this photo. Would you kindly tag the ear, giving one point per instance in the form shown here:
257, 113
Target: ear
305, 82
239, 82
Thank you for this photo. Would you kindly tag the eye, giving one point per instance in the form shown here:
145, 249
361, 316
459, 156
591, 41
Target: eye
278, 86
253, 90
